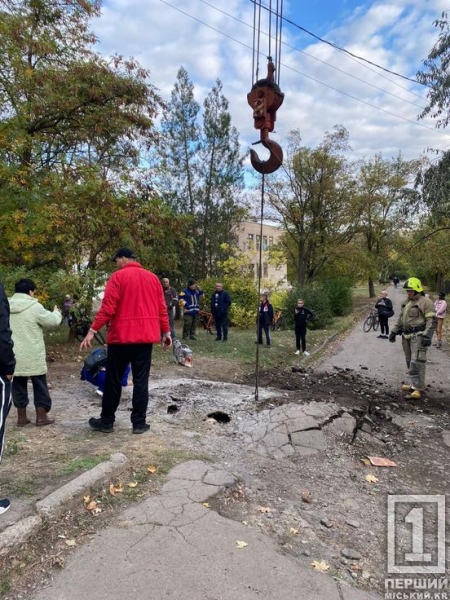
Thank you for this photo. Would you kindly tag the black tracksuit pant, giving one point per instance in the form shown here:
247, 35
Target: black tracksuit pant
41, 396
384, 324
5, 405
119, 356
221, 321
300, 336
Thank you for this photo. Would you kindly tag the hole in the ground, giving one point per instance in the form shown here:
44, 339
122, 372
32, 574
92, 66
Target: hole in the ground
172, 409
219, 416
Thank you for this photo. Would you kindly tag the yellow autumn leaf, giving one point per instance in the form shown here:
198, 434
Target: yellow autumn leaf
240, 544
132, 484
112, 489
96, 511
92, 505
320, 565
152, 469
293, 531
206, 504
86, 499
371, 479
71, 543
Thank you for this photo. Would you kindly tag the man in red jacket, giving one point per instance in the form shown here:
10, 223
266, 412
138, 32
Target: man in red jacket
135, 309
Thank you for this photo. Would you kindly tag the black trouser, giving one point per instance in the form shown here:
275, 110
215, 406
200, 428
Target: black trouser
5, 405
265, 328
119, 356
300, 336
384, 324
41, 395
221, 322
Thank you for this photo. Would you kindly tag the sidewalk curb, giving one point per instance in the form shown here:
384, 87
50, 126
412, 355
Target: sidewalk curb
58, 501
18, 533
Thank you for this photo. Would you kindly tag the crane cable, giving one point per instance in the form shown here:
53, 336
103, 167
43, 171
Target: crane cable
255, 74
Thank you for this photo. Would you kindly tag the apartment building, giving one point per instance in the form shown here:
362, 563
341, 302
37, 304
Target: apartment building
250, 242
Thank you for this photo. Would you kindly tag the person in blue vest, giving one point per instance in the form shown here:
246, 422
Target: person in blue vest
220, 303
265, 318
190, 301
98, 377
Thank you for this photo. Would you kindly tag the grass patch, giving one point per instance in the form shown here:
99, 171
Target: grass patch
12, 446
82, 464
18, 487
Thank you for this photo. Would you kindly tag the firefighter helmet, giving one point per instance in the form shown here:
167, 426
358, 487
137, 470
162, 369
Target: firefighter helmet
413, 284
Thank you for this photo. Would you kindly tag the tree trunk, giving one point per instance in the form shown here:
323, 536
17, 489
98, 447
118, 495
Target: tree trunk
371, 288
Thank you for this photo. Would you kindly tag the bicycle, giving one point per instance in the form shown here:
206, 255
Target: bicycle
206, 320
279, 322
372, 321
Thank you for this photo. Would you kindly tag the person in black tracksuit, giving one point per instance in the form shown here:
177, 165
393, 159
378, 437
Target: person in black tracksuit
385, 312
220, 303
302, 316
7, 366
265, 318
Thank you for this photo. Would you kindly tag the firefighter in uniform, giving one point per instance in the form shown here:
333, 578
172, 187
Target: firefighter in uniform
416, 325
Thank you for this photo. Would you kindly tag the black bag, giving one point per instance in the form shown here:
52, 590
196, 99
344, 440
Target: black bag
95, 361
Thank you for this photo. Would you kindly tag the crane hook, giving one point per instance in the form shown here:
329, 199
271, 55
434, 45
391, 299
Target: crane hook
273, 163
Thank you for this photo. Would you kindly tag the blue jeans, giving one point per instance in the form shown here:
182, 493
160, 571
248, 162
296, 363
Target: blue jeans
264, 328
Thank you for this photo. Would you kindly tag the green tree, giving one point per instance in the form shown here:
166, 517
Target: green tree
313, 198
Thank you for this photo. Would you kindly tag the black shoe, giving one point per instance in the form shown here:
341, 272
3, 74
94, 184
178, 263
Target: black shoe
141, 428
98, 425
225, 340
4, 505
219, 339
193, 338
380, 336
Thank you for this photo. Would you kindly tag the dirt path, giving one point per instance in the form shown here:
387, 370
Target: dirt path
385, 362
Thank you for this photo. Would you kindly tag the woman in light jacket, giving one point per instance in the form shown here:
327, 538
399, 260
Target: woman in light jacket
28, 321
441, 312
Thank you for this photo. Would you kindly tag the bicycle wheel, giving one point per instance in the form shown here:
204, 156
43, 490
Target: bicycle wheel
376, 323
281, 324
368, 324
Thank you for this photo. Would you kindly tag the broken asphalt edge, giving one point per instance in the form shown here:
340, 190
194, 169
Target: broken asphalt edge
61, 500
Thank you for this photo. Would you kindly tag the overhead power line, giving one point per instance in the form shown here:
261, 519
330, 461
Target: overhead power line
324, 62
268, 9
384, 110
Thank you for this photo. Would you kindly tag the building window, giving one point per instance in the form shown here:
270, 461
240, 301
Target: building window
258, 242
271, 240
265, 270
251, 241
265, 243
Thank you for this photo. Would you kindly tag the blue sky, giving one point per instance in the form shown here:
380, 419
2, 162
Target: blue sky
394, 33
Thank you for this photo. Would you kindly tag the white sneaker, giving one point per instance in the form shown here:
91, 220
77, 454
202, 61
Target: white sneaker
4, 505
99, 393
298, 352
306, 353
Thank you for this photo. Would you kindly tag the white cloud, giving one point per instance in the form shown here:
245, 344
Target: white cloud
396, 34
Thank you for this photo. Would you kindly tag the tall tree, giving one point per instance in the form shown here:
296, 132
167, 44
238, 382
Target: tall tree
436, 76
313, 199
221, 172
384, 187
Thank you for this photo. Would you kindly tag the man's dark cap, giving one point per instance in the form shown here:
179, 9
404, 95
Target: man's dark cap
124, 253
191, 282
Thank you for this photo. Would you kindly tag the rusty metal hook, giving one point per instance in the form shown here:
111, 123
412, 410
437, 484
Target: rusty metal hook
273, 163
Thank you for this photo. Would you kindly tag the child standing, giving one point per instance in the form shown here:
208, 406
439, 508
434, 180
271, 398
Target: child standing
441, 312
302, 316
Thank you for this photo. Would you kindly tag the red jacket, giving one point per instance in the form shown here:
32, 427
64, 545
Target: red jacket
134, 307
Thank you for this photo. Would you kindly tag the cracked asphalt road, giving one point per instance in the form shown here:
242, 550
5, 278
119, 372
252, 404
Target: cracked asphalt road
173, 547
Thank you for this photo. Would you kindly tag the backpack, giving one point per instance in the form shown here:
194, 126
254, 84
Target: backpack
95, 361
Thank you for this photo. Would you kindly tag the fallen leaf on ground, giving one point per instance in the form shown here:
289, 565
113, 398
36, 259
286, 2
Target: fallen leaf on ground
206, 504
71, 543
92, 505
113, 490
86, 499
293, 531
371, 479
133, 484
96, 511
306, 497
241, 544
320, 565
266, 510
152, 469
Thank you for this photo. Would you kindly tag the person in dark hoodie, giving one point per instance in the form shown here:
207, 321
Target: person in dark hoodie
7, 366
302, 316
220, 303
265, 318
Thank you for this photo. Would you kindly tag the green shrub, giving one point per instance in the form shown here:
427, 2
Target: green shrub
316, 300
339, 292
278, 299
